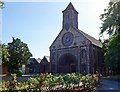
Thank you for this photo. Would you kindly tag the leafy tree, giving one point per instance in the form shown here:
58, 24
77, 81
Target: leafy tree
112, 56
105, 45
4, 54
111, 19
19, 54
111, 25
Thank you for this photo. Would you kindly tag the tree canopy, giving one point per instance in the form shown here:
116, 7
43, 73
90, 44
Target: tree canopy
111, 25
111, 19
4, 54
113, 54
19, 54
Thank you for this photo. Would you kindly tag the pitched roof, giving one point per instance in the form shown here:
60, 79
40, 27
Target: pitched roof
33, 60
48, 58
91, 39
56, 38
38, 60
70, 6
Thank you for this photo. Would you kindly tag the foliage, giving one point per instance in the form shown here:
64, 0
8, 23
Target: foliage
7, 85
105, 46
14, 76
49, 82
111, 25
18, 72
19, 54
111, 19
4, 54
10, 85
71, 79
66, 82
112, 56
1, 4
33, 82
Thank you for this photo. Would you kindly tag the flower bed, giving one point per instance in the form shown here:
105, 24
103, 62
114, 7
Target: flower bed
50, 82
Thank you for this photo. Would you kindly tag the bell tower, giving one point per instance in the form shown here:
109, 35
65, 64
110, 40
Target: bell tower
70, 17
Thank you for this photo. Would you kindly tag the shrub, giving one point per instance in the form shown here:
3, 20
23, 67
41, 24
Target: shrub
49, 82
18, 72
33, 82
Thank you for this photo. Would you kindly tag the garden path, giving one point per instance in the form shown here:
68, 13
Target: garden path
109, 86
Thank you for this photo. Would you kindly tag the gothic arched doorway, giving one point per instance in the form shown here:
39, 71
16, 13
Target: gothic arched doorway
67, 63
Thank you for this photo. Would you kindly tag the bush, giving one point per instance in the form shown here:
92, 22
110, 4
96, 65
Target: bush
49, 82
18, 72
33, 82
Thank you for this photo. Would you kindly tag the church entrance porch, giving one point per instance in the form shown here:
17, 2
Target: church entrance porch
67, 63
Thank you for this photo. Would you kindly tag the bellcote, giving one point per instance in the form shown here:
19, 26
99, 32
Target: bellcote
70, 17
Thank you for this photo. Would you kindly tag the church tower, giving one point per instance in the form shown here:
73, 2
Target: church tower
70, 17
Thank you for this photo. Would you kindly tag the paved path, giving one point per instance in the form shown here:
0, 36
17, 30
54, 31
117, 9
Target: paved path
109, 86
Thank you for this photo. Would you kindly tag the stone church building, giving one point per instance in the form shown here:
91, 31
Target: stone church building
73, 50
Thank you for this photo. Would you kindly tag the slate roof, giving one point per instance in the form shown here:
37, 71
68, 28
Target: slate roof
91, 39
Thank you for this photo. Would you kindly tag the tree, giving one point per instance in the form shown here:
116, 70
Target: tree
111, 19
112, 56
19, 54
1, 4
4, 54
111, 25
105, 45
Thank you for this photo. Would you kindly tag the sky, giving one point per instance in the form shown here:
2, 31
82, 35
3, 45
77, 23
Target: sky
37, 23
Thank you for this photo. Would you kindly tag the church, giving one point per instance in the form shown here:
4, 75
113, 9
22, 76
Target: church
74, 50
